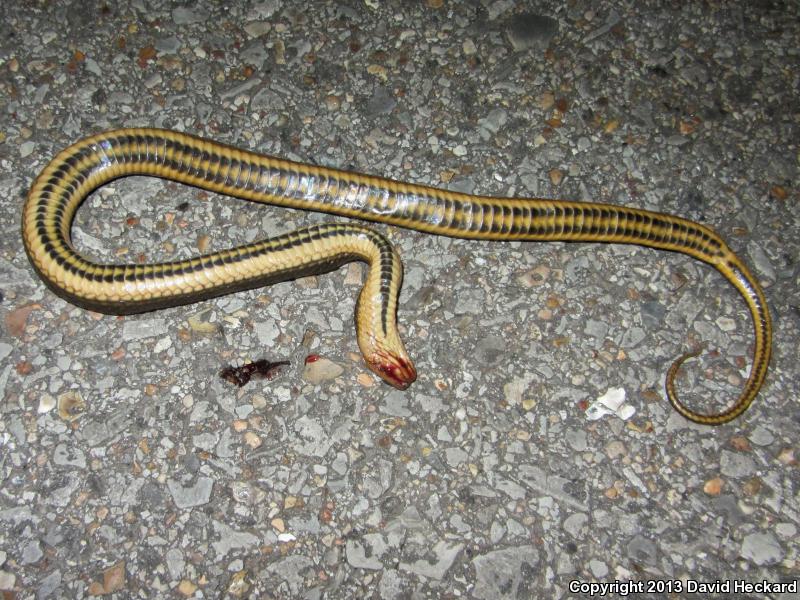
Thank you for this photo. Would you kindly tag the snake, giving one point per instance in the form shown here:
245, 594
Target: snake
76, 171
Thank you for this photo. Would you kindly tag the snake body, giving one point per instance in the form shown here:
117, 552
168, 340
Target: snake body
122, 289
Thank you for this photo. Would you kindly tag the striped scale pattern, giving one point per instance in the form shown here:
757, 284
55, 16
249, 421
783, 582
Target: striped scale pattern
95, 160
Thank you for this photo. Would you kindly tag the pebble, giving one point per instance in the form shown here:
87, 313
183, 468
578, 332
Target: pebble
616, 449
267, 333
596, 329
494, 120
227, 538
26, 149
47, 585
140, 328
786, 530
642, 550
357, 553
187, 16
69, 457
292, 570
633, 337
713, 487
7, 580
120, 98
71, 406
490, 351
392, 585
321, 370
575, 525
256, 55
258, 29
240, 89
598, 568
312, 439
576, 438
41, 93
505, 573
266, 9
168, 44
175, 562
31, 553
652, 314
737, 465
611, 21
188, 496
382, 102
396, 404
496, 532
443, 553
761, 436
163, 344
528, 30
761, 261
514, 390
456, 456
278, 525
46, 404
762, 549
252, 439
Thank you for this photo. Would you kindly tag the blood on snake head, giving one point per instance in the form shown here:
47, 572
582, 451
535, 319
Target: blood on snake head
395, 370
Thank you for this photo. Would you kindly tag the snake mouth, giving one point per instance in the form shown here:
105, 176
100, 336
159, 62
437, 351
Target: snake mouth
397, 371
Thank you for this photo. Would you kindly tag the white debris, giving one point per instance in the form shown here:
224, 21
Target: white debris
610, 403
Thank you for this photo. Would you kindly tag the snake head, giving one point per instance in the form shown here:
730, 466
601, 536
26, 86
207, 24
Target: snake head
397, 371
